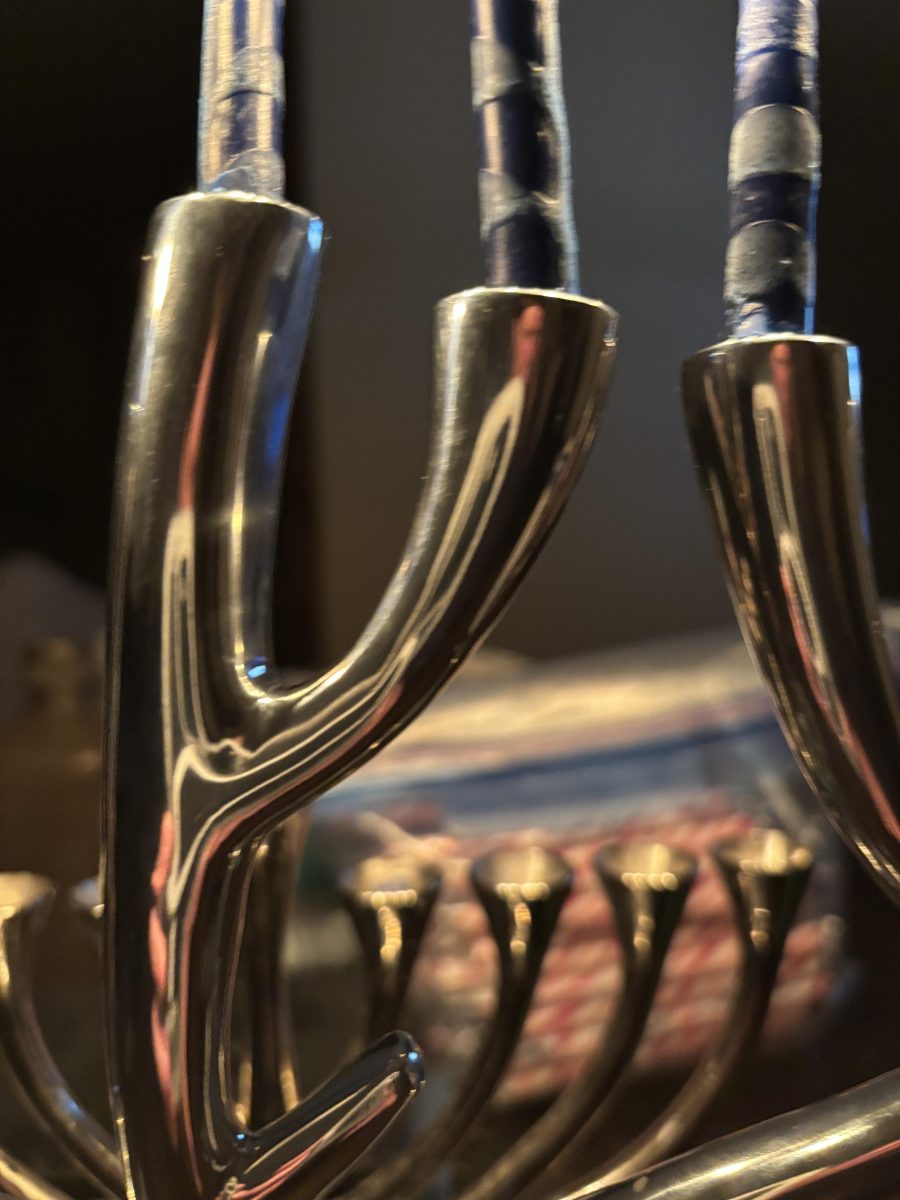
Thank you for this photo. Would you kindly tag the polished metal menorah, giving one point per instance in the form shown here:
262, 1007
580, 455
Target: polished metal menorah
210, 749
208, 746
522, 892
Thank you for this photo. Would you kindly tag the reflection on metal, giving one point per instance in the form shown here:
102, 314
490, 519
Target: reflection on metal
522, 893
647, 885
845, 1147
766, 875
268, 1080
18, 1180
212, 751
774, 423
25, 902
209, 748
390, 901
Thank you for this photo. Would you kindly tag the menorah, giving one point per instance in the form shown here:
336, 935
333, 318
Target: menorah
212, 751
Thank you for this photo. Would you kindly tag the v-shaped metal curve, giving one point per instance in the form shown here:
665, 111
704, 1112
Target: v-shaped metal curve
208, 747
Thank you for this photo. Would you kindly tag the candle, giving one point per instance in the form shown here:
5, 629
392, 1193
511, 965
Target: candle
242, 97
773, 169
524, 180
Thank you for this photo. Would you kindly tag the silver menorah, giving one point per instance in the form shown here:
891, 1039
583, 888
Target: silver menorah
211, 751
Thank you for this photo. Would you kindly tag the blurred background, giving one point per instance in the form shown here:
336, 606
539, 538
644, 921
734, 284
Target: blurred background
666, 738
98, 126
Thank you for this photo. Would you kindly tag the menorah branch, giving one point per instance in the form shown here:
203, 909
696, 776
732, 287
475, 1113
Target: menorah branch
25, 902
208, 749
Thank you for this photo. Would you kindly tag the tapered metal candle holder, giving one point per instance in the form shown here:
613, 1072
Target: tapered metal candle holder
765, 874
209, 750
647, 884
390, 902
522, 893
774, 424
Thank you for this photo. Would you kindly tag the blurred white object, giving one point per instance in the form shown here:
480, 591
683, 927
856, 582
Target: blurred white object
39, 600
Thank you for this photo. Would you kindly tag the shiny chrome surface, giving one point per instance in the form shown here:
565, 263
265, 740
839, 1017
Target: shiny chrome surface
766, 876
844, 1148
390, 901
267, 1072
208, 747
522, 892
25, 902
774, 424
647, 884
18, 1180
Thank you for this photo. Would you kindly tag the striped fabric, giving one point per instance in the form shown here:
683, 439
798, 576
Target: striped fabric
242, 97
524, 163
773, 170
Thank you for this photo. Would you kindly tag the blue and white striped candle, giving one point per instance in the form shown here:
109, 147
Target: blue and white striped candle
527, 226
242, 97
773, 169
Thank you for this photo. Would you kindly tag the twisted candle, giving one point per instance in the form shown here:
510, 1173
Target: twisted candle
773, 170
242, 97
524, 162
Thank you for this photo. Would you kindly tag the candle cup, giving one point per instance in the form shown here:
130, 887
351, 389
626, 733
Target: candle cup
647, 884
390, 901
522, 892
765, 874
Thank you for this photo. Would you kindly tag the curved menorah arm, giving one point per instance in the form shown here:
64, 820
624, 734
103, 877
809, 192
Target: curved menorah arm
845, 1146
519, 380
208, 749
25, 902
20, 1181
312, 1146
269, 1068
774, 425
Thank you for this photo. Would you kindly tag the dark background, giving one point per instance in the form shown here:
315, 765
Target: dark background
98, 113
